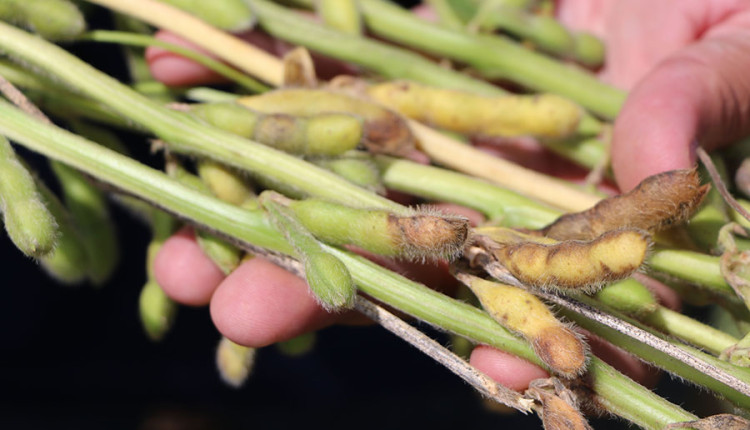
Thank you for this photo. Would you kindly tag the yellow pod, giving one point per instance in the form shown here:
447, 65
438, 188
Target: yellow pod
522, 312
543, 115
584, 265
225, 183
235, 362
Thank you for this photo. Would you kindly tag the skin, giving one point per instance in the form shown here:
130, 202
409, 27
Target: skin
684, 63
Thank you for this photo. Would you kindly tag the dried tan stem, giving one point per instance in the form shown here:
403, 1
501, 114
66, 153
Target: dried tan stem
452, 153
229, 48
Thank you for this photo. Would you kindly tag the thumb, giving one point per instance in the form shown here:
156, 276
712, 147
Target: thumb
699, 94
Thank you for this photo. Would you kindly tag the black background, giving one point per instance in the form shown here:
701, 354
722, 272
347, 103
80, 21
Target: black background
76, 357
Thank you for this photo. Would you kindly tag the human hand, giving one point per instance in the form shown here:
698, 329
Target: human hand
245, 305
685, 64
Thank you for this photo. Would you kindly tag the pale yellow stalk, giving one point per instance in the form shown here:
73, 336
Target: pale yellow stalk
229, 48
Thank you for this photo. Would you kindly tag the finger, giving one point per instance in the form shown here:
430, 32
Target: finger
701, 93
174, 70
508, 370
260, 303
184, 272
641, 33
584, 15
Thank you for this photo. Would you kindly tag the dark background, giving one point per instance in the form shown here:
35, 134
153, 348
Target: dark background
76, 357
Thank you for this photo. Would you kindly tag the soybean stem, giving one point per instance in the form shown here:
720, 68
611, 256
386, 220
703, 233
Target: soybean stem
182, 130
231, 49
444, 356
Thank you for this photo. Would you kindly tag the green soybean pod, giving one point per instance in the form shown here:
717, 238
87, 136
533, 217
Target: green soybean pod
28, 222
88, 208
155, 309
418, 236
68, 262
328, 278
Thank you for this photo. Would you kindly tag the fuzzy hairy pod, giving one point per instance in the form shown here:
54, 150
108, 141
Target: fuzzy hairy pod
328, 278
559, 405
68, 262
580, 265
384, 130
28, 222
88, 207
417, 236
658, 202
521, 312
544, 115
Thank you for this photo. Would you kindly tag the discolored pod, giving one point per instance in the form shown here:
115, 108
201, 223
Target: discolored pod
522, 312
584, 265
658, 202
417, 236
384, 130
325, 134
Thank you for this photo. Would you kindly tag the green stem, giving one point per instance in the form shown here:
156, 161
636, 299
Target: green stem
639, 404
57, 100
494, 57
688, 329
662, 359
183, 131
126, 174
625, 400
498, 204
588, 152
388, 61
618, 393
142, 40
701, 269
